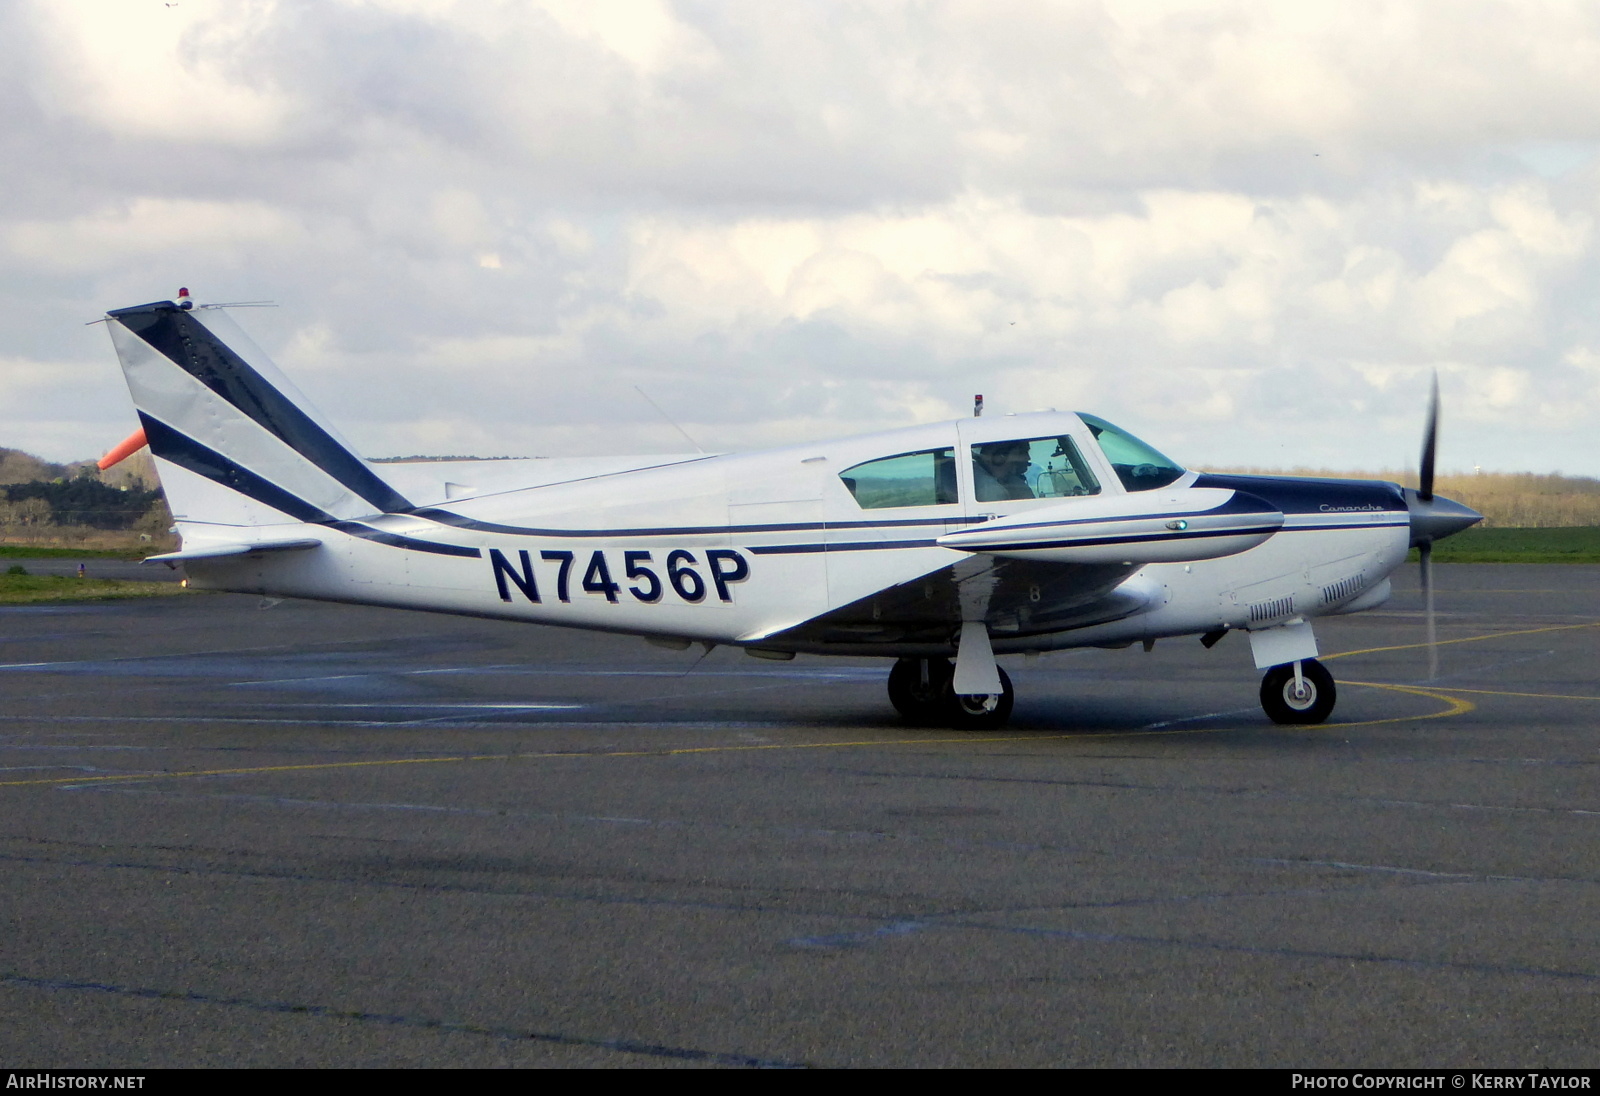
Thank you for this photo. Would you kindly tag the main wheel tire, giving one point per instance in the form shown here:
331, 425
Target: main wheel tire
1311, 705
920, 697
980, 713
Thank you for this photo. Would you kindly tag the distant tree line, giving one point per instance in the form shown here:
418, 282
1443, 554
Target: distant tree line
19, 467
81, 500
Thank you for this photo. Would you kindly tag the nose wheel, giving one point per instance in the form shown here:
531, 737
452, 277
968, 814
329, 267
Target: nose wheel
920, 690
1308, 698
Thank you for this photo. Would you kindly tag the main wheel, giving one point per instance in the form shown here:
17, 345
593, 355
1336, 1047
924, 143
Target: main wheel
980, 713
1311, 703
917, 689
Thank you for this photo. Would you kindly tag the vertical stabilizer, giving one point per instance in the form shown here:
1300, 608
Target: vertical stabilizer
234, 442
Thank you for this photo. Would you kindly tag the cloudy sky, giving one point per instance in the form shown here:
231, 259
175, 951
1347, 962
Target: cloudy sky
1248, 232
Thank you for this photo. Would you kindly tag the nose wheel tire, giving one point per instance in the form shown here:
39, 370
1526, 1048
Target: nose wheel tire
1311, 701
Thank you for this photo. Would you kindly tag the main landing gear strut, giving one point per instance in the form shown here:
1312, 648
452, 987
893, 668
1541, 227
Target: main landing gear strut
921, 690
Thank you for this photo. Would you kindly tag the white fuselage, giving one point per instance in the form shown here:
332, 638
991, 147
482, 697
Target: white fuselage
744, 549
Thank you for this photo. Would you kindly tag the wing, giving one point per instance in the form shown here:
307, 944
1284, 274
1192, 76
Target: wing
1019, 598
1047, 570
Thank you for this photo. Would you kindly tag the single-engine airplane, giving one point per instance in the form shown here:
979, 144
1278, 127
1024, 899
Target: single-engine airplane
954, 541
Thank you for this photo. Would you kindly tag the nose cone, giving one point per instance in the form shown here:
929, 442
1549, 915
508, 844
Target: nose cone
1436, 518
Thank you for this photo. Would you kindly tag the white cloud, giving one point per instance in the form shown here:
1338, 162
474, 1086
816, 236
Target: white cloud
129, 232
154, 70
1237, 227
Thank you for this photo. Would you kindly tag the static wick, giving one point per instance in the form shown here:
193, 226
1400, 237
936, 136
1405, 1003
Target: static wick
977, 406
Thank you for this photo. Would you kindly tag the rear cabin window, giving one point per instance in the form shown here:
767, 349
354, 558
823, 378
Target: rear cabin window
1030, 468
910, 479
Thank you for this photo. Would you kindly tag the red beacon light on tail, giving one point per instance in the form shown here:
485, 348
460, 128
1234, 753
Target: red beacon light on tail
184, 301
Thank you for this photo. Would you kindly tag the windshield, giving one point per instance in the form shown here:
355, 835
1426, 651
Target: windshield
1139, 467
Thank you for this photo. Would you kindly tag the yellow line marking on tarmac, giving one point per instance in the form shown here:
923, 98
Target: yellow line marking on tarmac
1455, 706
668, 752
1537, 696
1466, 639
1458, 706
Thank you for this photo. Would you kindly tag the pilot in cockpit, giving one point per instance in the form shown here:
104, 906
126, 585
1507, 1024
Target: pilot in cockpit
999, 471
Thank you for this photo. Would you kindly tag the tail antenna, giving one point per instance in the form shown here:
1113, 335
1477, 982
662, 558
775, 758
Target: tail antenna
670, 420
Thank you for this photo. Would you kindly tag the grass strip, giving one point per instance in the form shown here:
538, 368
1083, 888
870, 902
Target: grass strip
27, 589
30, 551
1574, 544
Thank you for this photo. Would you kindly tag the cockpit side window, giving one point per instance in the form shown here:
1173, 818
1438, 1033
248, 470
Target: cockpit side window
1030, 468
1138, 466
909, 479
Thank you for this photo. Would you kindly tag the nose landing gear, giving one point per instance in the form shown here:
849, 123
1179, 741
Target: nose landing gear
1306, 697
920, 690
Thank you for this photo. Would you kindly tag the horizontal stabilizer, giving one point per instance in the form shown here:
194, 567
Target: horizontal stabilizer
218, 551
1172, 526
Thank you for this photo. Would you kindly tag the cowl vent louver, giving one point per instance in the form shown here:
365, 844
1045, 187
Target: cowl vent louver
1343, 588
1269, 610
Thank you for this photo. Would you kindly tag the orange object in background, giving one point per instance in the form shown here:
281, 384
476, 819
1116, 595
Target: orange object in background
130, 445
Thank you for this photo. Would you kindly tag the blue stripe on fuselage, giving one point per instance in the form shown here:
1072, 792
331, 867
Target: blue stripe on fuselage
1293, 496
182, 450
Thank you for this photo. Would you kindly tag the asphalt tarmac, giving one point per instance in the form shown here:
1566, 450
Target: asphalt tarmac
240, 833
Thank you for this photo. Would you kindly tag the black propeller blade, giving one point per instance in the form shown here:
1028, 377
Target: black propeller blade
1430, 444
1430, 448
1433, 518
1425, 550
